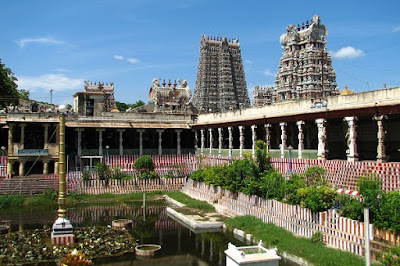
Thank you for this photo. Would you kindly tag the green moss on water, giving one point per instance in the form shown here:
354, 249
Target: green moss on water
274, 236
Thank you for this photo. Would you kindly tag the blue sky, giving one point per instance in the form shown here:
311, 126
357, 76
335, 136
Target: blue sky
59, 44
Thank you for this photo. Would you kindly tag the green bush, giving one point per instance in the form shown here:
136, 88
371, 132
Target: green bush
119, 175
86, 175
262, 158
370, 189
315, 176
273, 185
148, 175
317, 199
390, 256
144, 164
292, 185
349, 207
103, 171
198, 175
389, 215
317, 237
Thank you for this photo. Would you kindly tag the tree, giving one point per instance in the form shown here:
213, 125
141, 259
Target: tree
8, 86
122, 107
24, 94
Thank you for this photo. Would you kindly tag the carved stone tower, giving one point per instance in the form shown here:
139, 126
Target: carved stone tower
220, 84
305, 69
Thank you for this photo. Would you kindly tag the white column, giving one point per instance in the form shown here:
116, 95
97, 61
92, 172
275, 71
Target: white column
211, 139
321, 138
268, 136
23, 136
10, 142
121, 141
351, 136
100, 141
220, 140
160, 131
241, 140
178, 141
254, 138
196, 140
230, 140
46, 136
381, 149
141, 131
301, 138
283, 138
79, 142
202, 141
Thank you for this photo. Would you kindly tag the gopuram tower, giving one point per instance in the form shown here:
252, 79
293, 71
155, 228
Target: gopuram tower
220, 84
305, 69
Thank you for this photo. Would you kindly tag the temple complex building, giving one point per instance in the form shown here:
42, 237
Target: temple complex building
221, 84
171, 98
97, 98
305, 68
263, 96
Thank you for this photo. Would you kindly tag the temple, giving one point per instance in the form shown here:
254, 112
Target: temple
97, 98
263, 96
305, 69
220, 84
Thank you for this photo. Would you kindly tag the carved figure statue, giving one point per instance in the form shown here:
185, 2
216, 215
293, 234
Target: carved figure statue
156, 83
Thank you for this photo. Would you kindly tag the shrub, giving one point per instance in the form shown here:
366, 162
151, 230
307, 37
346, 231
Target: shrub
317, 199
86, 175
370, 189
390, 256
262, 158
389, 215
315, 176
349, 207
317, 237
273, 185
144, 164
292, 185
198, 175
148, 175
50, 195
119, 175
103, 171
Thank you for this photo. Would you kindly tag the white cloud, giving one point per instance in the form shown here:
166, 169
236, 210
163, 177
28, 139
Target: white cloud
57, 82
44, 40
118, 57
268, 72
347, 52
249, 62
396, 29
133, 60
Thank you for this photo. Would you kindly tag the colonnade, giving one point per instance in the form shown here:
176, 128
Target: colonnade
321, 125
121, 140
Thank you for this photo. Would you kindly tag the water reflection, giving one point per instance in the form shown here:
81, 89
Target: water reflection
151, 225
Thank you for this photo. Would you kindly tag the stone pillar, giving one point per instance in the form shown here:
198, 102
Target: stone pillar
10, 140
230, 140
160, 131
321, 138
268, 136
196, 140
100, 140
45, 167
178, 141
283, 138
254, 138
308, 136
46, 135
10, 167
220, 141
79, 152
381, 149
56, 168
301, 138
121, 141
141, 131
202, 141
211, 139
241, 140
21, 168
22, 136
351, 137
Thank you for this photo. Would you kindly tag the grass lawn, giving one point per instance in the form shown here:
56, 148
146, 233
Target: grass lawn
190, 202
271, 235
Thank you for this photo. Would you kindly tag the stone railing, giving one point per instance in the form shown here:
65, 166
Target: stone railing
338, 232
